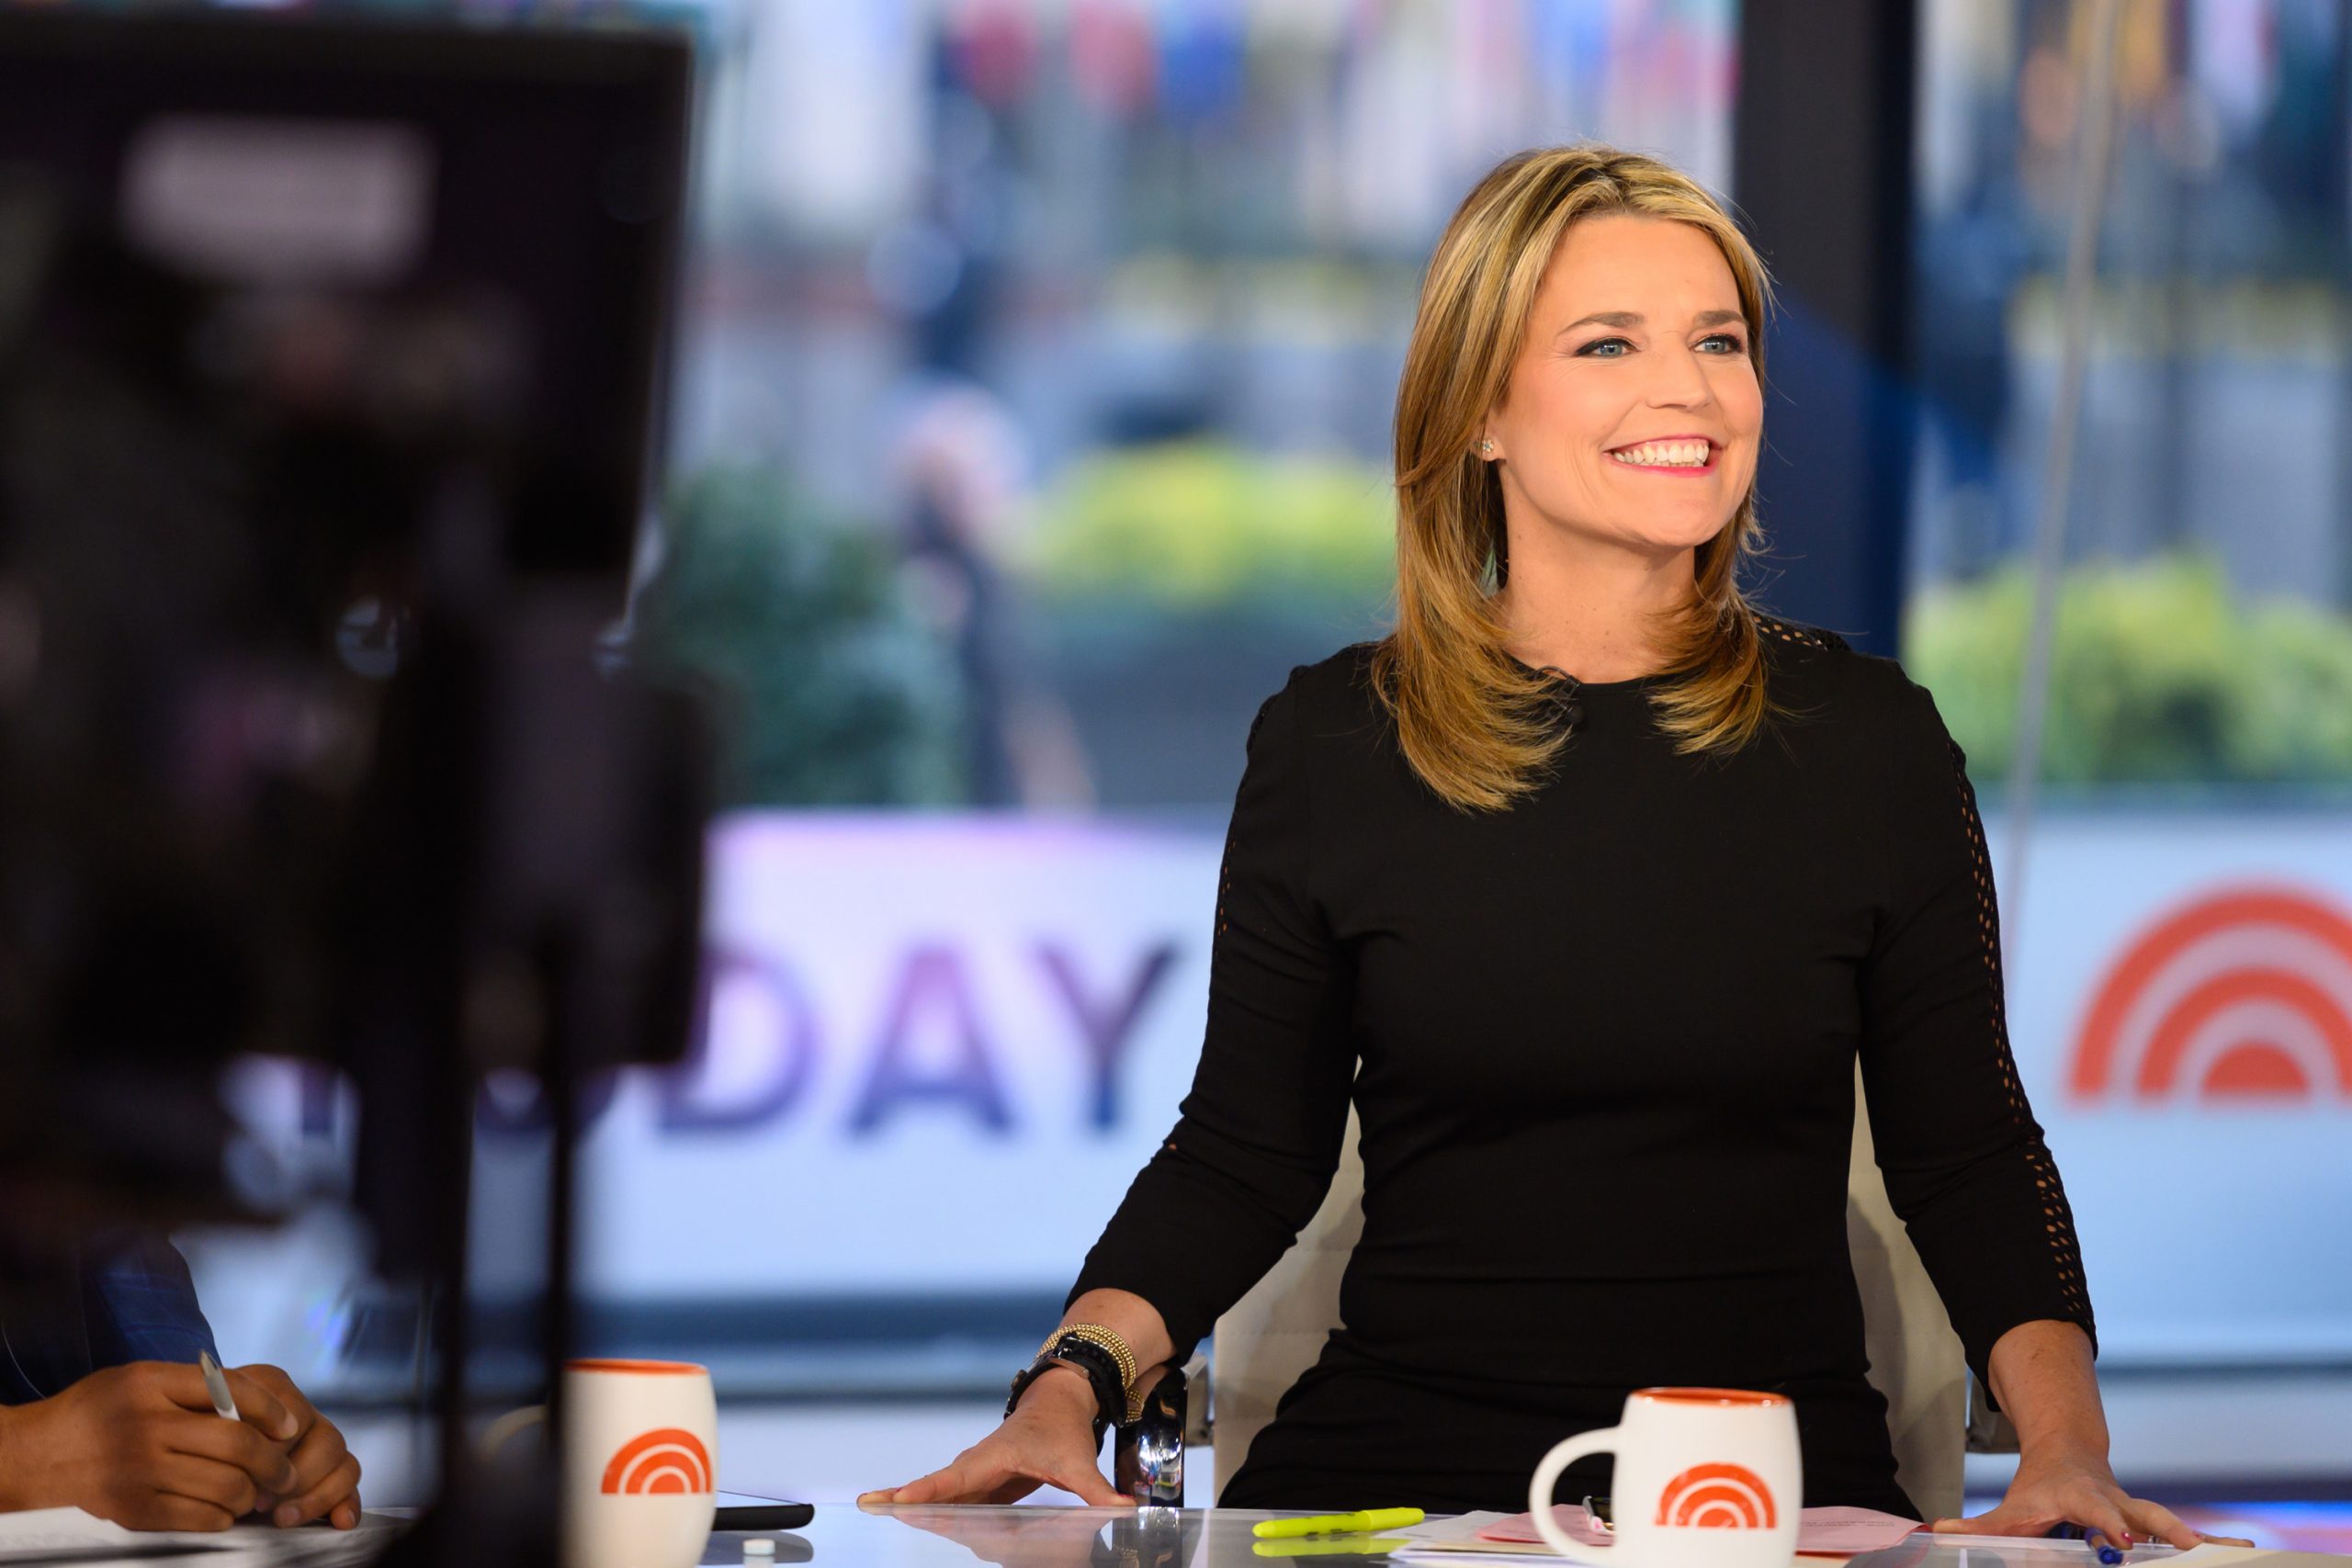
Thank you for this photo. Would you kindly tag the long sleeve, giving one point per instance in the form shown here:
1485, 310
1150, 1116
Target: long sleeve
112, 1300
1258, 1137
141, 1304
1965, 1163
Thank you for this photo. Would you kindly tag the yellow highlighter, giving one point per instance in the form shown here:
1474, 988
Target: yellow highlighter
1337, 1524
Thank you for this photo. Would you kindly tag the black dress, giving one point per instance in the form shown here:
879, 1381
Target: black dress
1607, 1042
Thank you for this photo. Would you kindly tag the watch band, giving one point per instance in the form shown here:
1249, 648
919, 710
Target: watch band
1101, 1371
1106, 1337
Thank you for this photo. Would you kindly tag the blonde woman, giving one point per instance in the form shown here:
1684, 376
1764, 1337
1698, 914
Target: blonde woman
1604, 878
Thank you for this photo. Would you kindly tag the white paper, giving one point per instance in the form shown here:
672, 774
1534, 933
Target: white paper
1449, 1526
2207, 1555
59, 1529
308, 1546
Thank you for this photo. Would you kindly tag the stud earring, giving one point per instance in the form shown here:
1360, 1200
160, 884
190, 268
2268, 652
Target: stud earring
1486, 446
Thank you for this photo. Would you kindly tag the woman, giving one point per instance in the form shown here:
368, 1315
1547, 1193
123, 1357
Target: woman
1604, 878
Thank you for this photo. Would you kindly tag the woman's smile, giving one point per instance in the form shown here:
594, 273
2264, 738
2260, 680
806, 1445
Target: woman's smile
1682, 457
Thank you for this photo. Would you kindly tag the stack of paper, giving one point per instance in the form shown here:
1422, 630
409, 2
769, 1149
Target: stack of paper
1502, 1538
1508, 1541
38, 1533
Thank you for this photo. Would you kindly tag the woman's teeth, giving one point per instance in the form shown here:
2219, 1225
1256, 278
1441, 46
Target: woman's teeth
1665, 455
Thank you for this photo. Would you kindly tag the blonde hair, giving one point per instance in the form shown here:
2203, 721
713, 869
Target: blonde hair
1469, 717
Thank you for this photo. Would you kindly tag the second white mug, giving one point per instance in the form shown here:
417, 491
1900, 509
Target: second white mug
1705, 1478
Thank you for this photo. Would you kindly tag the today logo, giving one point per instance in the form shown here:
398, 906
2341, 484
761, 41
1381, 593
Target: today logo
2240, 997
668, 1459
1718, 1496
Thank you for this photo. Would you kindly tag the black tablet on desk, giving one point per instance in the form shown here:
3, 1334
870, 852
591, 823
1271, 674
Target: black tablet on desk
743, 1515
750, 1513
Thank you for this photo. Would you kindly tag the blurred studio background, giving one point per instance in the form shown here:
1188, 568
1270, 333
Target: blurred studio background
1027, 420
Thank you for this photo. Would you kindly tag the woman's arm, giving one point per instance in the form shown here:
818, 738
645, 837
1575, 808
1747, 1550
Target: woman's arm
2042, 1378
1258, 1136
1965, 1163
1130, 1317
1252, 1153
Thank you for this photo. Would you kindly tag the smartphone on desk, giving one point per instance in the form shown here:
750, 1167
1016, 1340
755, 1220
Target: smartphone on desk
750, 1513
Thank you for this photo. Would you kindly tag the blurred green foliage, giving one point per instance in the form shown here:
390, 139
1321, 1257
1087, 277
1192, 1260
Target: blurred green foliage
2158, 675
830, 689
1187, 527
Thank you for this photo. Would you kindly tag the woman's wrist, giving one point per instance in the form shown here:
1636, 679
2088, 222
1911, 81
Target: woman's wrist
1060, 1387
2041, 1373
2079, 1447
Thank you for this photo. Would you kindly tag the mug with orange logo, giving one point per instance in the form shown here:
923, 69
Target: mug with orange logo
1708, 1477
639, 1463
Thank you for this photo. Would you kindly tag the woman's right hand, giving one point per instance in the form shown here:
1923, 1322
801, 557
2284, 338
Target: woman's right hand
1047, 1441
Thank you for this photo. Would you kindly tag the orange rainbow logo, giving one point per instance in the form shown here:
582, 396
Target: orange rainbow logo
667, 1459
2243, 995
1718, 1496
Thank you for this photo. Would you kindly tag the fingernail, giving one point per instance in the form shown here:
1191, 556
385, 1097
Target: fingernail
287, 1513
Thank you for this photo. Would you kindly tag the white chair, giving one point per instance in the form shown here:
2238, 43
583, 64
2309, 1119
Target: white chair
1276, 1332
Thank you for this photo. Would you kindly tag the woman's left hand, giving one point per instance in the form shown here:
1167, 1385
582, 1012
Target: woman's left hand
2080, 1489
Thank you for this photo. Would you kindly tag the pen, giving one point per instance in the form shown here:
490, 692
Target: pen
1333, 1524
2109, 1556
216, 1384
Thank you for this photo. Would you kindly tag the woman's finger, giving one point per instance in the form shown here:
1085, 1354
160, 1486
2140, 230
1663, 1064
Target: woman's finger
2105, 1517
2005, 1519
2153, 1519
955, 1483
1088, 1485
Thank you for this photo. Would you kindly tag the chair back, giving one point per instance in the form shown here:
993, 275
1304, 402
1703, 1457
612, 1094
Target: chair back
1274, 1333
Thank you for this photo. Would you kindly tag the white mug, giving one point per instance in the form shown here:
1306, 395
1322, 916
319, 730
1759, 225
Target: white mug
640, 1462
1705, 1477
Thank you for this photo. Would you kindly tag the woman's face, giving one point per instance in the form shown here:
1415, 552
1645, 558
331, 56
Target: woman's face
1670, 359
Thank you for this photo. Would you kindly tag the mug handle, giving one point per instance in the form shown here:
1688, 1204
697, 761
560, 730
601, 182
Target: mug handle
1547, 1475
494, 1436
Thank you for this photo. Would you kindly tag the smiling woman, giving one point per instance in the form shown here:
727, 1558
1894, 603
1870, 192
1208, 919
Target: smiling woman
1591, 325
1594, 409
1594, 973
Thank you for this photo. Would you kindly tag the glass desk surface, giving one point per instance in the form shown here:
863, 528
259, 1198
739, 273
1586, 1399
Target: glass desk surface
1041, 1536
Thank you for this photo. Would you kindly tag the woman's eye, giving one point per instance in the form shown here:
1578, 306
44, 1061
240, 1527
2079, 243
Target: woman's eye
1738, 345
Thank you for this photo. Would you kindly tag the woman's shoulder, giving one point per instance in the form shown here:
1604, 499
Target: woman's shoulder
1818, 672
1332, 696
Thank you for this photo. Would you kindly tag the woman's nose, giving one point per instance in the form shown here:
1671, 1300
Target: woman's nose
1681, 381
